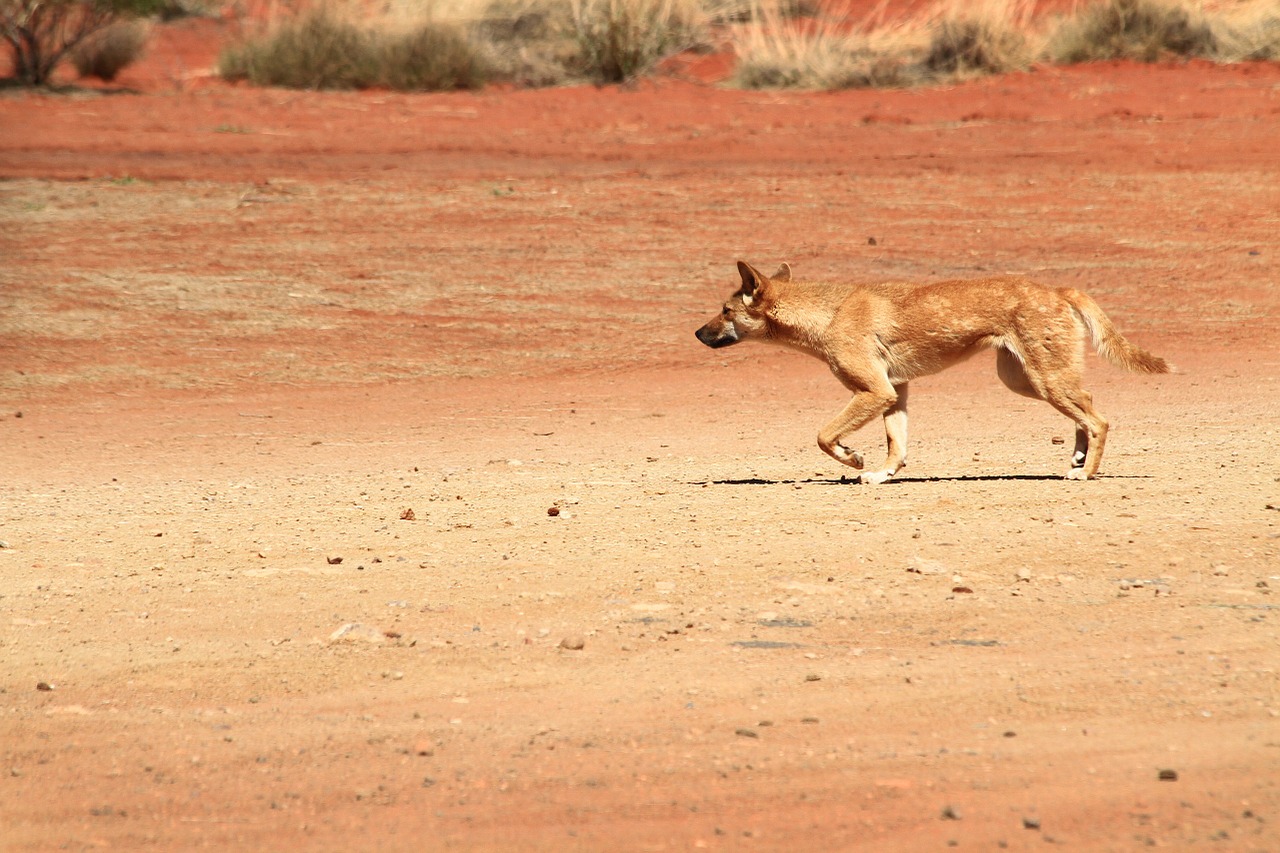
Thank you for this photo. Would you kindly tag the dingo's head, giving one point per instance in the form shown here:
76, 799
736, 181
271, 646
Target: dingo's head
743, 315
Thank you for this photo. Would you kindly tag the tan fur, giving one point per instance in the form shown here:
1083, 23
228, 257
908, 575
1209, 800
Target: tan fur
876, 338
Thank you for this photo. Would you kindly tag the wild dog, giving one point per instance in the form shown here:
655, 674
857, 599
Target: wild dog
878, 337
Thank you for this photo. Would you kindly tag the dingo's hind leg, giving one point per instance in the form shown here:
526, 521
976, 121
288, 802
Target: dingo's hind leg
1060, 387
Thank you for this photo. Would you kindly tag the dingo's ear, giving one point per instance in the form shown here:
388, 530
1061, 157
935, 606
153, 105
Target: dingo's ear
783, 273
753, 283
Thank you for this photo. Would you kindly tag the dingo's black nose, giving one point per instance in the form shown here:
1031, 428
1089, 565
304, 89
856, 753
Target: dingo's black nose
716, 338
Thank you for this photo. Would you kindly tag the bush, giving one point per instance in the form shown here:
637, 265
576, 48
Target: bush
109, 51
430, 58
317, 51
41, 33
775, 51
529, 42
621, 39
977, 45
320, 50
1250, 32
794, 57
951, 39
1144, 30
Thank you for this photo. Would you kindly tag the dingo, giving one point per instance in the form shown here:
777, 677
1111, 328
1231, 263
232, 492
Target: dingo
878, 337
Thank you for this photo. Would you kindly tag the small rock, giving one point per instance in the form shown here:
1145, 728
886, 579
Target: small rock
43, 685
949, 813
1167, 775
355, 632
962, 590
1024, 575
924, 566
573, 642
746, 733
333, 561
408, 515
1057, 439
813, 676
553, 511
1031, 823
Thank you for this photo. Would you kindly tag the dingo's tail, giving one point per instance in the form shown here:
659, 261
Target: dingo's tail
1109, 343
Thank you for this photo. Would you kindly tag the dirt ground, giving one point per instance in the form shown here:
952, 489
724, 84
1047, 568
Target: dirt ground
245, 333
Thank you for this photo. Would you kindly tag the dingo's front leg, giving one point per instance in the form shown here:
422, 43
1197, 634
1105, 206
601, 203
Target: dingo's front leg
895, 430
864, 406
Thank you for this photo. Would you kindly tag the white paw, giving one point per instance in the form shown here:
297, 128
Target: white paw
876, 477
849, 457
1077, 474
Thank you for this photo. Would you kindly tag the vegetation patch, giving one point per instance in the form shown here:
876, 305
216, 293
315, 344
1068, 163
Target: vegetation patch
982, 38
462, 44
42, 33
620, 39
109, 51
1144, 30
322, 49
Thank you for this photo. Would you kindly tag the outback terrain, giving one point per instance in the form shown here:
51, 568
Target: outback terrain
364, 486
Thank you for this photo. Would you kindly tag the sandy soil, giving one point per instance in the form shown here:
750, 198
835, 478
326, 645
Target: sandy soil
246, 333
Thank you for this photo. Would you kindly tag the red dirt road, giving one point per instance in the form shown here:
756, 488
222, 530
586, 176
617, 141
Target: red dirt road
244, 333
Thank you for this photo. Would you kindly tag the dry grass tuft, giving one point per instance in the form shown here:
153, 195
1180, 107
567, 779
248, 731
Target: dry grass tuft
325, 49
1248, 32
992, 37
528, 42
622, 39
1143, 30
951, 40
775, 51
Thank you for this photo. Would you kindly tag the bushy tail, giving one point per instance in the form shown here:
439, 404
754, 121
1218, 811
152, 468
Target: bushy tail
1110, 344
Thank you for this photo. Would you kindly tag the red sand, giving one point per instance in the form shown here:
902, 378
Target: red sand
246, 330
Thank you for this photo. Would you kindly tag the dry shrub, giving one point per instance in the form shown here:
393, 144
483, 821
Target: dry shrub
775, 51
1143, 30
42, 33
317, 50
430, 57
991, 37
529, 42
547, 42
1248, 32
799, 58
110, 50
324, 49
621, 39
